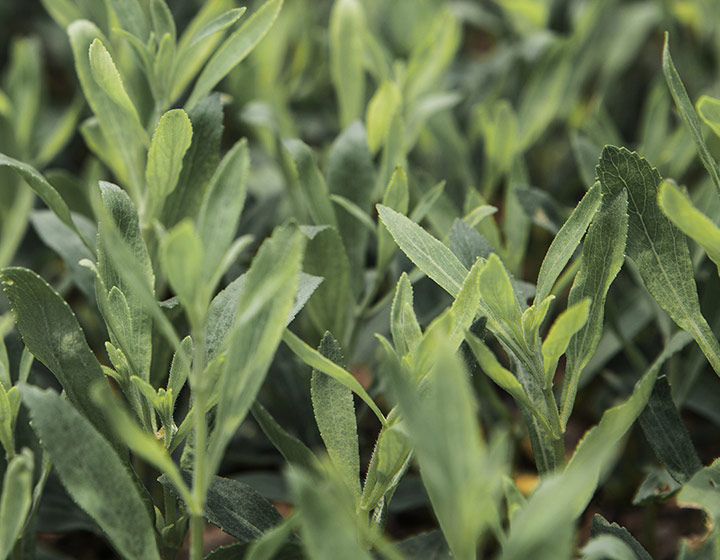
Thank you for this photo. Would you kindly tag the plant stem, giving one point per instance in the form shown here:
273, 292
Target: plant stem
557, 437
197, 522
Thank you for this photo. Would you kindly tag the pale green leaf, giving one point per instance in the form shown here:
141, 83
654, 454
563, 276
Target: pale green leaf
311, 183
404, 325
556, 342
397, 197
427, 253
131, 17
380, 112
235, 49
170, 141
347, 25
677, 206
16, 500
181, 253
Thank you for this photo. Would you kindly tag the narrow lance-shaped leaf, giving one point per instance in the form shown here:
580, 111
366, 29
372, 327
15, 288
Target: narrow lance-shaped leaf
294, 451
131, 17
656, 246
566, 241
347, 24
563, 329
397, 197
687, 112
404, 325
222, 204
235, 49
334, 411
51, 332
427, 253
380, 112
92, 473
603, 256
667, 434
311, 183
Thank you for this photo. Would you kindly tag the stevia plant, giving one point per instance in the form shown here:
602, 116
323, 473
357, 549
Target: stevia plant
144, 424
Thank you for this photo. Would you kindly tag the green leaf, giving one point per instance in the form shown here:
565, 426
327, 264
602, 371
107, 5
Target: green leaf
199, 163
92, 473
162, 19
655, 245
215, 25
347, 25
687, 112
170, 142
329, 525
121, 225
461, 475
499, 298
181, 252
64, 12
16, 500
335, 416
106, 75
350, 174
222, 205
607, 547
702, 491
566, 241
265, 302
51, 332
680, 210
311, 183
46, 191
563, 329
235, 49
602, 257
380, 111
709, 110
295, 452
404, 325
131, 17
427, 253
429, 546
313, 358
325, 256
397, 197
235, 508
180, 368
667, 434
601, 526
123, 141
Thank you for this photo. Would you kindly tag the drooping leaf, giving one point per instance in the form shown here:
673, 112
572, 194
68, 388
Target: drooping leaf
334, 411
51, 332
656, 246
92, 473
294, 451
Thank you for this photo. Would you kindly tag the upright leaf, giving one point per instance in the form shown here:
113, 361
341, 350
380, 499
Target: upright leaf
16, 500
235, 49
603, 256
397, 197
170, 142
311, 183
687, 113
131, 17
92, 473
566, 241
335, 416
222, 204
404, 325
347, 25
656, 246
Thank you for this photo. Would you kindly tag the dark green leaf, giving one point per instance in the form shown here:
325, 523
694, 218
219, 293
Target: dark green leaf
601, 526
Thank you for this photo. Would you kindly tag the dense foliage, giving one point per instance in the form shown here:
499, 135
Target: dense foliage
360, 279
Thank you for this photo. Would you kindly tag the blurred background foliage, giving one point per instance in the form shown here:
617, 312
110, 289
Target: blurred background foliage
508, 101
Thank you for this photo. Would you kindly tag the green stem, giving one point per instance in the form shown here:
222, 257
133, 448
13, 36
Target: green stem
558, 450
199, 489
